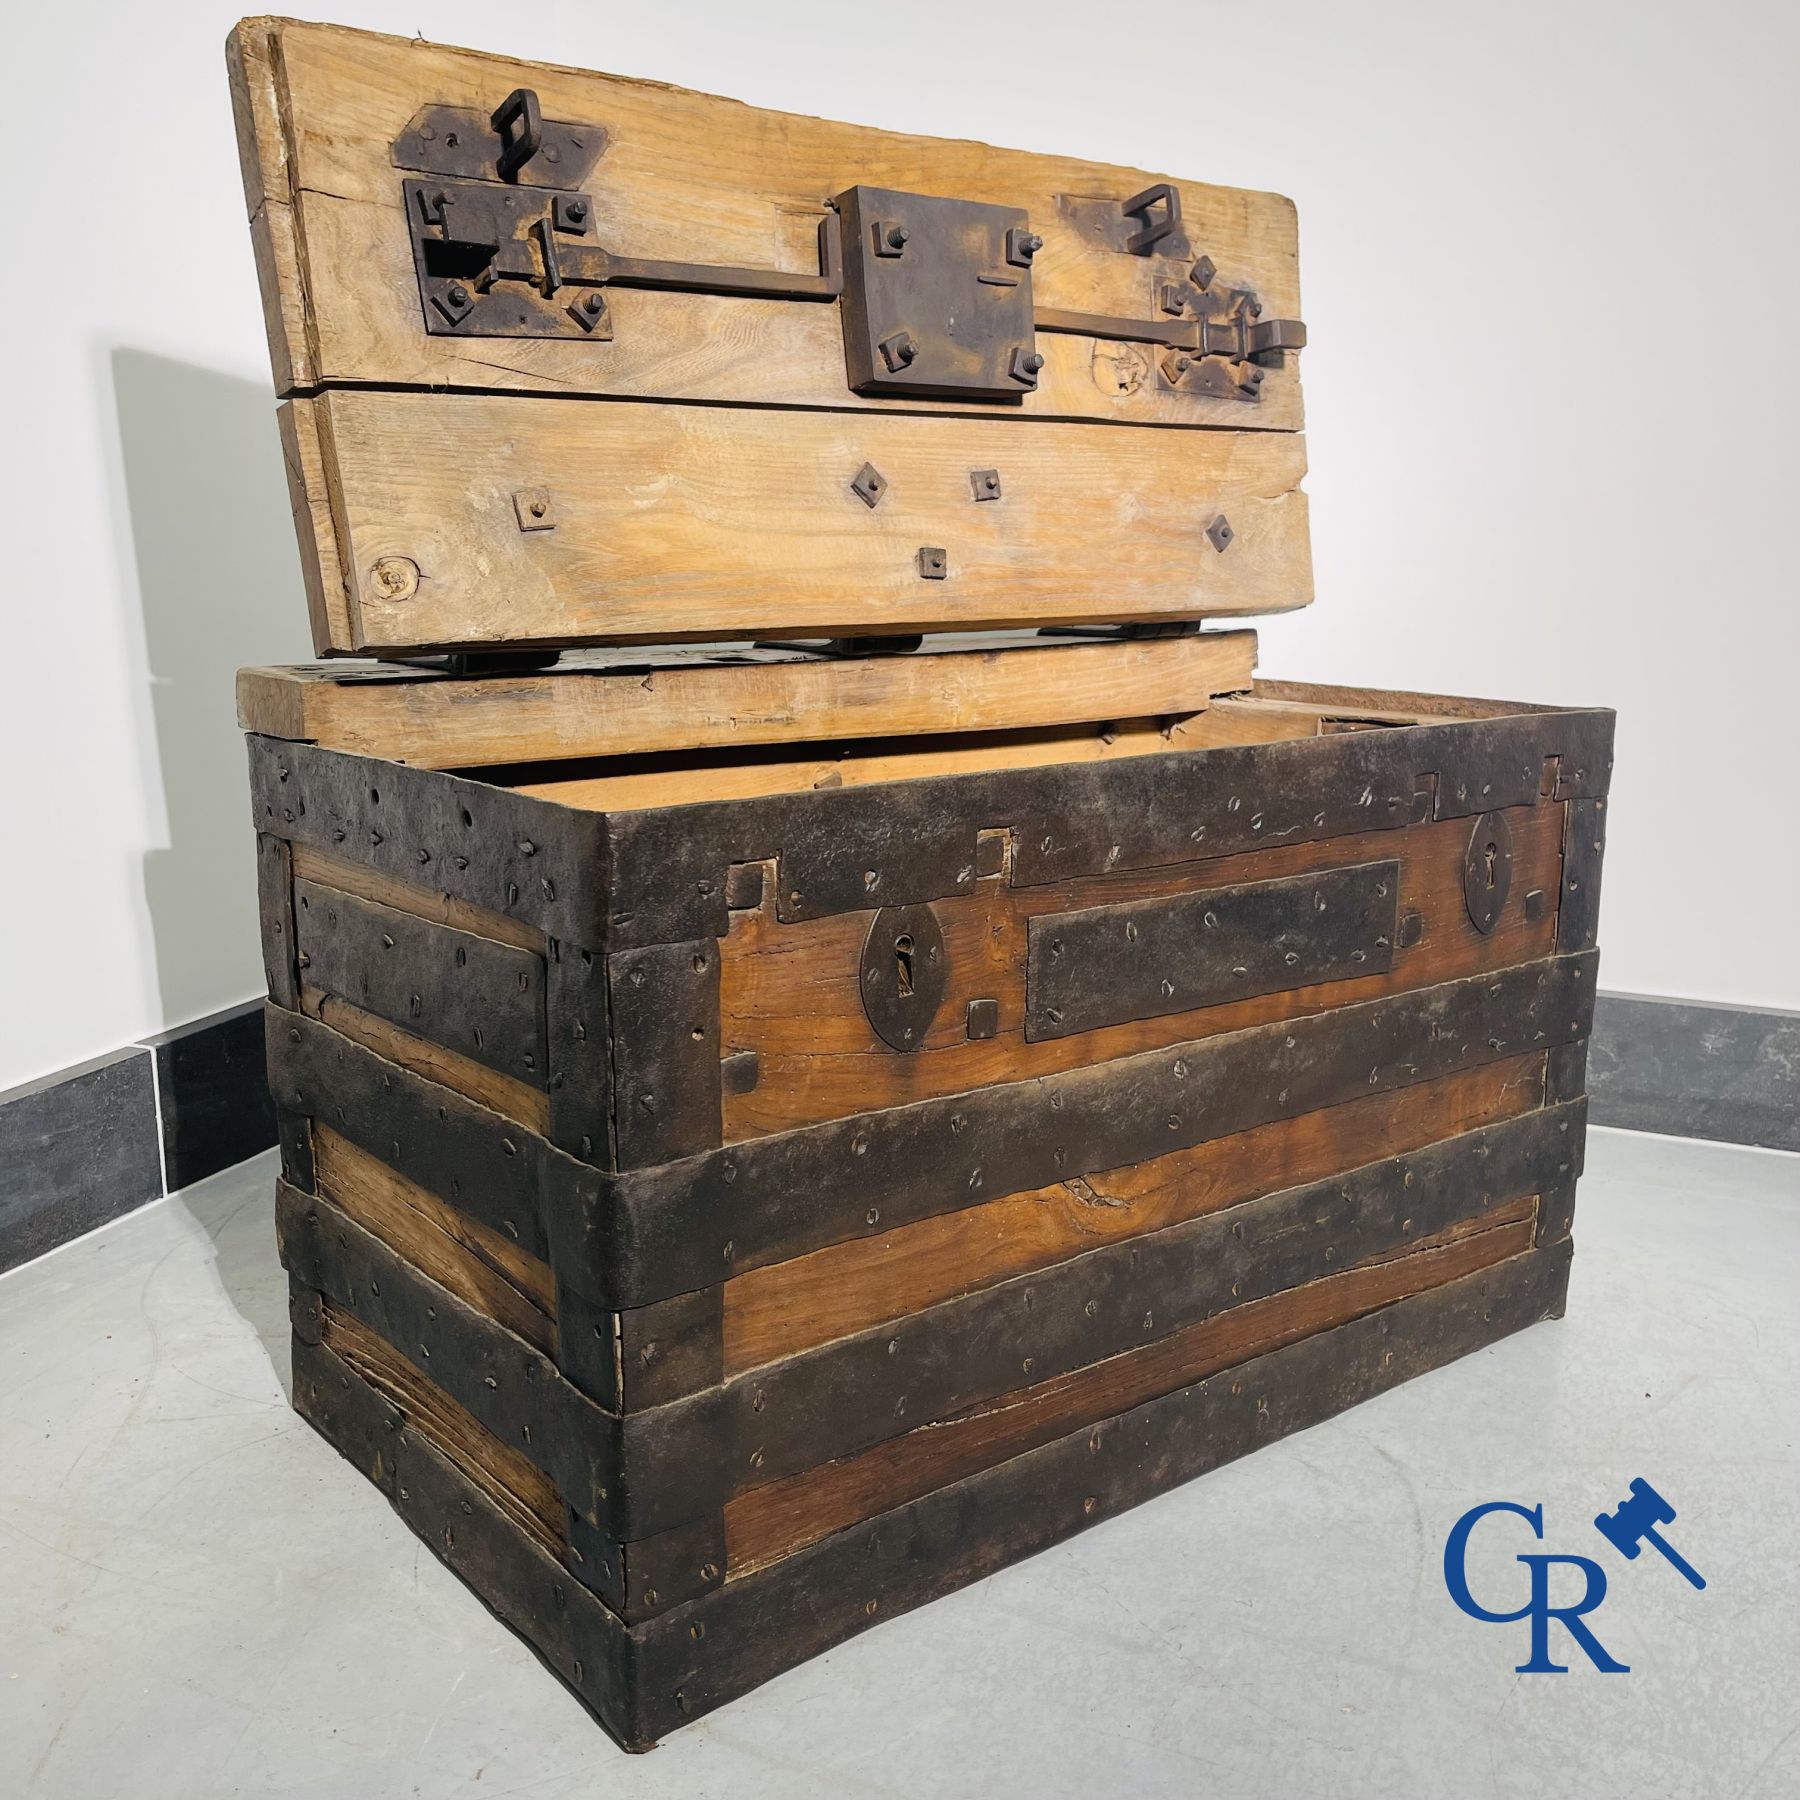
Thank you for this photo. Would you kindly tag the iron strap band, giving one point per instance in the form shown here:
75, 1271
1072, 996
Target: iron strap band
690, 1223
621, 880
512, 1389
482, 999
628, 1240
660, 1467
688, 1456
645, 1680
502, 1174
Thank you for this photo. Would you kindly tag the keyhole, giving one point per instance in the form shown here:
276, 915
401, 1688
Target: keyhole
1491, 853
903, 965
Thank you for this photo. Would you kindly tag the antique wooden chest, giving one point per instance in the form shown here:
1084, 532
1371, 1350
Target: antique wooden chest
773, 1132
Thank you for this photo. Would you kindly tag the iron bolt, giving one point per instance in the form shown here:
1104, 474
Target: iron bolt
458, 295
897, 236
990, 481
538, 509
577, 210
1183, 364
593, 303
898, 350
1033, 362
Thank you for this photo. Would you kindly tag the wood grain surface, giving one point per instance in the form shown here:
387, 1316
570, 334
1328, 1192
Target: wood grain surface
809, 1300
690, 177
646, 709
791, 992
780, 1517
477, 1264
673, 522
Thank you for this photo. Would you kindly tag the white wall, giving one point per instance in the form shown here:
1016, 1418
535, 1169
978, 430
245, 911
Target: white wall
1550, 267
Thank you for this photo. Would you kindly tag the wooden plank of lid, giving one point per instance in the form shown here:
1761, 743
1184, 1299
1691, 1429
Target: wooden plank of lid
687, 177
480, 492
626, 703
661, 523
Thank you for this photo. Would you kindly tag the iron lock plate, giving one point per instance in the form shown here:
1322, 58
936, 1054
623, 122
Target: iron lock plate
934, 294
513, 142
903, 973
1487, 870
937, 296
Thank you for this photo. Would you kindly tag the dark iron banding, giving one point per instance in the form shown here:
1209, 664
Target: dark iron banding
631, 1239
652, 1575
578, 1033
670, 1349
509, 1387
275, 907
569, 1628
528, 859
686, 1224
293, 1138
644, 1680
664, 1002
482, 999
1584, 844
658, 875
1565, 1072
687, 1457
1556, 1212
655, 1469
843, 849
798, 1607
1140, 959
498, 1172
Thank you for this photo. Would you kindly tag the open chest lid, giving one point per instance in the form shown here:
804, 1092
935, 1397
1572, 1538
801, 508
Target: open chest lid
571, 359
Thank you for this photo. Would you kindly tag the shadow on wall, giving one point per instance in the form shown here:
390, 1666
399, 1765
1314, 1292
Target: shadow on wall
219, 581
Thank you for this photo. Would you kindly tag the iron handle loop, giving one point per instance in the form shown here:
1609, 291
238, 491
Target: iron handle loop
520, 108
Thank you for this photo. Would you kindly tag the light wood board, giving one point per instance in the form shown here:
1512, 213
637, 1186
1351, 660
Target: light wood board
690, 177
632, 709
671, 522
792, 992
709, 497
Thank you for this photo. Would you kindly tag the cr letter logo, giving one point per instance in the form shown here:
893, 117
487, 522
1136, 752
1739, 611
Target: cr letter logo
1537, 1607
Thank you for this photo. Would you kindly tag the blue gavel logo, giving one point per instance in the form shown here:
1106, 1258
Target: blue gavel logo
1628, 1527
1633, 1523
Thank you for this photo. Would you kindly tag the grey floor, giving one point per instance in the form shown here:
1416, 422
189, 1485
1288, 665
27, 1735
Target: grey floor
197, 1598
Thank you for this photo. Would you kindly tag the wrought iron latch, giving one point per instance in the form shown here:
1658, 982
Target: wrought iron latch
1225, 346
936, 294
505, 262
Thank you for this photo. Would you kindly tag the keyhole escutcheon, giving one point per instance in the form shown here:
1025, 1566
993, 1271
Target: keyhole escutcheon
903, 974
1487, 871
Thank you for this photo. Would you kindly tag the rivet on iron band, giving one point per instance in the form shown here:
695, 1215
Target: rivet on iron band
1220, 534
